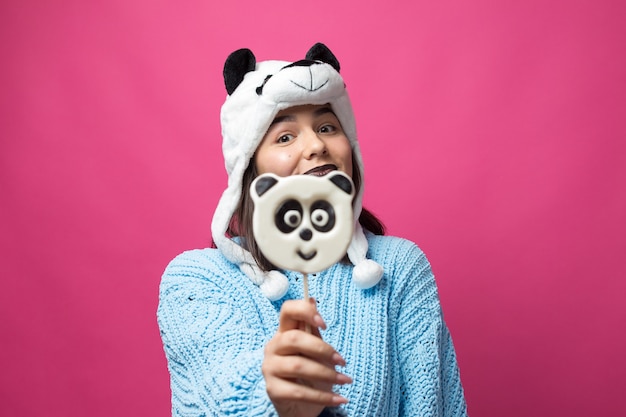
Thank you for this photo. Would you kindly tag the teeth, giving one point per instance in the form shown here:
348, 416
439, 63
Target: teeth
320, 171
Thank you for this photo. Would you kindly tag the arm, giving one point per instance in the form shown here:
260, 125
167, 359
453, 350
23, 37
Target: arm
220, 355
214, 353
428, 363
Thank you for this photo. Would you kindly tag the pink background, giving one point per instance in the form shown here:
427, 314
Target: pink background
494, 136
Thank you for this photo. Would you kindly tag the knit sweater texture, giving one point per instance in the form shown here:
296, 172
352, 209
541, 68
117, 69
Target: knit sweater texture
215, 323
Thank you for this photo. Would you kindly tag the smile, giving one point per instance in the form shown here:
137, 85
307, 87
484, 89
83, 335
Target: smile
307, 256
322, 170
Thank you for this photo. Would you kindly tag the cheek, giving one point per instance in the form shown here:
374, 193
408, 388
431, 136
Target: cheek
277, 162
344, 151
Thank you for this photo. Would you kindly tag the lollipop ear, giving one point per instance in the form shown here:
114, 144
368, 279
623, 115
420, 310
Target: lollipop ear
264, 183
342, 181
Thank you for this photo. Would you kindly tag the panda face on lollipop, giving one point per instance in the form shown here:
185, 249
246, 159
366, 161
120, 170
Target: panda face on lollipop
303, 223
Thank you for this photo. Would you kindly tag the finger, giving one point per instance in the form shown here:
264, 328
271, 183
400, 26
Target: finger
294, 312
297, 342
300, 367
315, 330
280, 390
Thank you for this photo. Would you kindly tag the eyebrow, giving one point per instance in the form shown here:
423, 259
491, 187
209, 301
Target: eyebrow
290, 117
323, 110
281, 119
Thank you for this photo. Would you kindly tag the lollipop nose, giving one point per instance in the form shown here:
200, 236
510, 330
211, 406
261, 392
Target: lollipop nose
306, 234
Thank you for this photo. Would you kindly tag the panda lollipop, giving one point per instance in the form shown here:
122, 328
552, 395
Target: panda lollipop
303, 223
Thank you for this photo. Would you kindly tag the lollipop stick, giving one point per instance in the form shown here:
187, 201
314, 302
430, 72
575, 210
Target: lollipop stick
305, 283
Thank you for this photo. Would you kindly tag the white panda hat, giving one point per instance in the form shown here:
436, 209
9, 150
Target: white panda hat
256, 93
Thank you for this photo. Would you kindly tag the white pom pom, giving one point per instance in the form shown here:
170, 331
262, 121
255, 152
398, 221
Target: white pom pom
275, 285
366, 274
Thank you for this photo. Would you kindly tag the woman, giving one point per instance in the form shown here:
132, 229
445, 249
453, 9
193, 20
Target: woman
233, 325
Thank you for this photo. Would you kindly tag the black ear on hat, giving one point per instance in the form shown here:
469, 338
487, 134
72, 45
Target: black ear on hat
320, 52
238, 64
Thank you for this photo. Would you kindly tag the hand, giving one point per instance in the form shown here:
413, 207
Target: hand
299, 368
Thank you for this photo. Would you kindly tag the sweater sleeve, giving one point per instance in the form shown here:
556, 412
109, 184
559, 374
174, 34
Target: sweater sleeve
213, 350
430, 375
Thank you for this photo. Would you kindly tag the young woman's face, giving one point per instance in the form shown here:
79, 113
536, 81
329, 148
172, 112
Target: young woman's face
304, 140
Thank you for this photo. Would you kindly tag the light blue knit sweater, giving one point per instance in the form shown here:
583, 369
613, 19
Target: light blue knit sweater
215, 322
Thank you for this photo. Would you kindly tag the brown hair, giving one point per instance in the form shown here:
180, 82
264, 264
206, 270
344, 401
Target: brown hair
241, 222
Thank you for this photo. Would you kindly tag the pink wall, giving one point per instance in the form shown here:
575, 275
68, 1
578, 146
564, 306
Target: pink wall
494, 135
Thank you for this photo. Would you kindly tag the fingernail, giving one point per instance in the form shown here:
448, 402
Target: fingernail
338, 360
319, 321
343, 379
338, 399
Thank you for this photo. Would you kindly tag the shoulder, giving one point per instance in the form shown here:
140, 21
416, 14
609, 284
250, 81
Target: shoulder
207, 278
394, 252
383, 241
197, 256
407, 271
198, 261
200, 267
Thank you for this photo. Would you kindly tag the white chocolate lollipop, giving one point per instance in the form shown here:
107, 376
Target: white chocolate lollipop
303, 223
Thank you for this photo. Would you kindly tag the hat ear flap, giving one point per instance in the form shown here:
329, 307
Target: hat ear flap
320, 52
237, 65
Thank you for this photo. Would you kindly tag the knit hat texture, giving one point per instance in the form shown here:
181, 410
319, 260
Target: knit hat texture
256, 93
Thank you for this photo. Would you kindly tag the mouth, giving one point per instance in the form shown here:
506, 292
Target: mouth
321, 170
307, 256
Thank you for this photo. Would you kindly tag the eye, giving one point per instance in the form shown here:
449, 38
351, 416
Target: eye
284, 138
288, 216
328, 128
319, 218
322, 216
292, 218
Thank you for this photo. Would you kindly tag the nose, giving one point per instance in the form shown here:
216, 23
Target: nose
306, 234
314, 145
